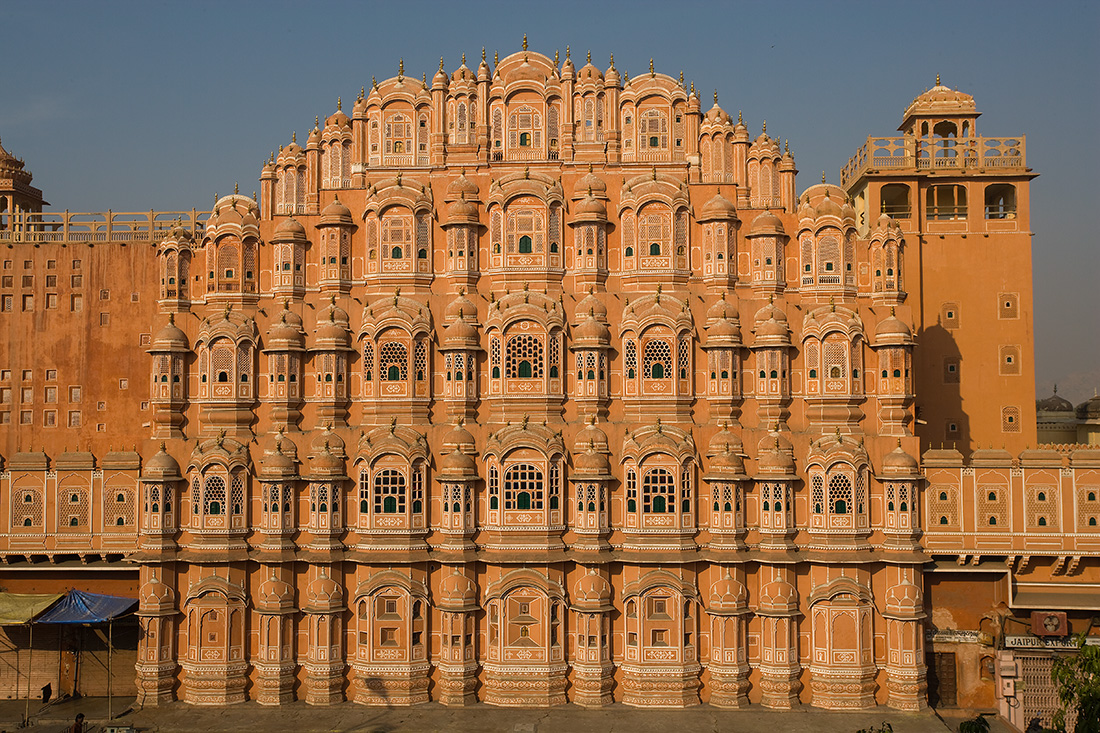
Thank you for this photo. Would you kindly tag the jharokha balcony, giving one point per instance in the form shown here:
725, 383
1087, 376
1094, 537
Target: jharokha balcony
907, 153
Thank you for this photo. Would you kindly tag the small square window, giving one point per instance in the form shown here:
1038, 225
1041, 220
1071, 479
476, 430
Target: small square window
28, 303
51, 281
7, 264
6, 304
28, 281
124, 383
51, 301
134, 297
51, 264
26, 395
74, 394
76, 264
76, 281
49, 418
50, 395
5, 395
144, 405
101, 406
74, 418
27, 375
101, 427
51, 375
28, 264
8, 281
145, 339
5, 417
76, 303
5, 374
26, 418
105, 319
104, 294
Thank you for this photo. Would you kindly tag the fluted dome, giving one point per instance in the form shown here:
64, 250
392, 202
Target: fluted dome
234, 210
722, 308
591, 435
332, 333
461, 334
778, 596
462, 212
1054, 403
324, 592
274, 593
828, 207
162, 466
590, 208
591, 304
457, 592
170, 338
289, 230
462, 186
771, 326
766, 224
336, 213
591, 332
286, 332
904, 599
728, 595
722, 332
898, 461
592, 591
456, 463
155, 594
892, 330
941, 100
718, 207
591, 183
591, 463
1089, 409
327, 464
277, 464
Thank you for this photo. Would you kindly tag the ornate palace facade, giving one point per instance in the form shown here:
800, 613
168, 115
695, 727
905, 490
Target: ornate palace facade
537, 384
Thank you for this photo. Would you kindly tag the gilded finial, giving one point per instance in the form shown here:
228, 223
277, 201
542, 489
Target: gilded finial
823, 176
937, 79
362, 92
681, 77
254, 196
339, 103
651, 72
555, 57
373, 83
764, 128
589, 55
400, 68
524, 41
496, 58
424, 78
786, 146
316, 121
236, 189
740, 121
693, 87
463, 58
294, 137
716, 96
441, 63
612, 61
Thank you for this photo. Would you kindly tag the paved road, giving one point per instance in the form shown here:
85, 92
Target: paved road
351, 718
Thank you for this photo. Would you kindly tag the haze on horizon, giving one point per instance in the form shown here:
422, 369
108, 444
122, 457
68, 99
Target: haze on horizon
134, 106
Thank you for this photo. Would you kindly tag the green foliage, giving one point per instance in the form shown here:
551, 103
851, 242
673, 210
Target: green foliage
979, 724
1078, 681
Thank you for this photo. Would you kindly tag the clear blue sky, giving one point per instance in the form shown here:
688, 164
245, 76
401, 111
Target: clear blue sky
140, 105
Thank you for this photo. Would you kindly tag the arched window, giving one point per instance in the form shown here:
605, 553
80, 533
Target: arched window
393, 358
524, 349
657, 359
389, 492
654, 248
525, 245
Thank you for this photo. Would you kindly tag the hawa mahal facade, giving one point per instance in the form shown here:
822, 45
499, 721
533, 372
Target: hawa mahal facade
536, 384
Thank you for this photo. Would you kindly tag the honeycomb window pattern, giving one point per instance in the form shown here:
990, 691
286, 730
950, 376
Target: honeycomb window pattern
523, 358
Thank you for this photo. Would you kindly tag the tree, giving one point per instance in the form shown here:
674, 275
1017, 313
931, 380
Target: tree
1078, 681
979, 724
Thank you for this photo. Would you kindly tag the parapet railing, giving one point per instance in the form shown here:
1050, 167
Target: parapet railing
939, 153
97, 227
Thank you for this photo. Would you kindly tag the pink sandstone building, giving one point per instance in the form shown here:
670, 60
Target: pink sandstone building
537, 384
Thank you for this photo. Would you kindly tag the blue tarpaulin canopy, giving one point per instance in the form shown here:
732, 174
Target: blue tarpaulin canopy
81, 607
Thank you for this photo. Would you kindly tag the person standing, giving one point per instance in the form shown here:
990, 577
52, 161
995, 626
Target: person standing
78, 726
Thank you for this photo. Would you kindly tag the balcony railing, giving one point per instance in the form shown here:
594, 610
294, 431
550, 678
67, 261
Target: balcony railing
903, 153
100, 227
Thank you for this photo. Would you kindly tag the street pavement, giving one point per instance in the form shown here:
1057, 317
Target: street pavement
351, 718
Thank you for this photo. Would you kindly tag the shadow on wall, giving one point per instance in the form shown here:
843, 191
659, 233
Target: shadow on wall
942, 420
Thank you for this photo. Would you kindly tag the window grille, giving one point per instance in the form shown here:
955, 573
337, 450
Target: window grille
523, 487
213, 496
658, 491
421, 360
368, 359
526, 349
393, 361
389, 492
657, 352
817, 493
631, 358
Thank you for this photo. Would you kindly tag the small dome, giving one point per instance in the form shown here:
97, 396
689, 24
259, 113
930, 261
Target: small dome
591, 436
828, 207
327, 463
460, 307
898, 461
728, 595
770, 312
462, 212
440, 78
324, 591
941, 100
332, 333
337, 119
274, 592
336, 213
278, 464
1089, 410
461, 333
904, 598
457, 463
589, 208
156, 594
591, 463
591, 589
719, 207
589, 72
170, 337
723, 331
289, 230
1054, 403
458, 436
591, 331
462, 186
766, 224
726, 464
892, 330
722, 308
778, 596
162, 466
591, 183
774, 455
286, 332
717, 115
458, 590
591, 304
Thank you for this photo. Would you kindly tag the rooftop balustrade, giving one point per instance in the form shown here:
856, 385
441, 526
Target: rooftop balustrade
939, 153
99, 227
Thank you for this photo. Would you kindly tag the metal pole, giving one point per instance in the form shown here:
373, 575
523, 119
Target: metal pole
110, 647
30, 669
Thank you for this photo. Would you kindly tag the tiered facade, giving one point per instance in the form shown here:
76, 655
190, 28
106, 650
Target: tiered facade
532, 384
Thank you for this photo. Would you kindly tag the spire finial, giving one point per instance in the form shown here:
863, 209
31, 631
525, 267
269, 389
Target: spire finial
362, 92
482, 53
681, 78
463, 58
716, 96
441, 63
496, 58
373, 83
937, 79
693, 88
786, 146
764, 128
823, 176
740, 120
400, 68
612, 61
555, 57
339, 103
316, 121
294, 136
567, 53
424, 78
651, 72
236, 188
524, 41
